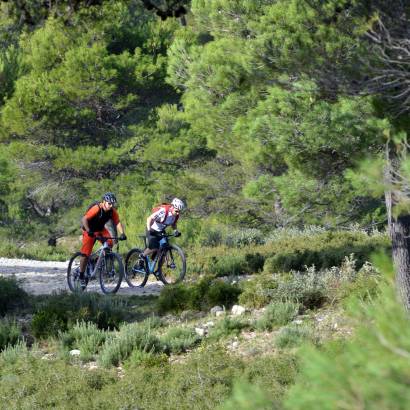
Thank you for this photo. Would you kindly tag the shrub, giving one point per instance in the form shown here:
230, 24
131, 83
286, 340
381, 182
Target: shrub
277, 314
229, 265
174, 298
59, 312
258, 292
244, 237
323, 250
179, 339
86, 337
369, 370
12, 353
130, 337
204, 294
307, 288
247, 396
227, 327
10, 333
255, 262
211, 237
11, 295
293, 335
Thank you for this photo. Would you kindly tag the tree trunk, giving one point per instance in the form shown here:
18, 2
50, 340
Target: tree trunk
399, 230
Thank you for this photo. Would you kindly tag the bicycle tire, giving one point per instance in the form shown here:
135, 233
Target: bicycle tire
111, 274
73, 273
168, 274
135, 277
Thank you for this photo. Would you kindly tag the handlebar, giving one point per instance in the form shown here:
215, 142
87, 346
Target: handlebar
106, 238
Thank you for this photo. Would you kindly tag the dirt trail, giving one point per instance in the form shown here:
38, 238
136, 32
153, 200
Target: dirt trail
40, 278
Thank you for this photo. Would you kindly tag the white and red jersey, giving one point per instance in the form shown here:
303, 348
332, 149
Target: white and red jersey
163, 217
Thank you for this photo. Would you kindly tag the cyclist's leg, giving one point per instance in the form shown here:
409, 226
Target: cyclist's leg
86, 249
153, 243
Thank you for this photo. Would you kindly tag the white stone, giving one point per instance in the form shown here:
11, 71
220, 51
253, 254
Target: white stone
199, 331
210, 324
75, 352
216, 309
235, 344
219, 313
238, 310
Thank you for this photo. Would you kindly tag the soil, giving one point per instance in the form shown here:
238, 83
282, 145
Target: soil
45, 277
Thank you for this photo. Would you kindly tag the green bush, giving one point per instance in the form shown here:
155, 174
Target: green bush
258, 291
202, 295
201, 381
10, 333
369, 370
130, 337
277, 314
323, 250
179, 339
13, 353
211, 237
86, 337
307, 288
294, 335
57, 313
229, 265
244, 237
227, 327
11, 295
255, 262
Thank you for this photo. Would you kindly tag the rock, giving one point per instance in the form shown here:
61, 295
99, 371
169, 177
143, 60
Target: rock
297, 322
235, 344
75, 352
216, 309
238, 310
200, 331
210, 324
219, 313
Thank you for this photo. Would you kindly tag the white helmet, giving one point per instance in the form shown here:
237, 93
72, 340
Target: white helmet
178, 204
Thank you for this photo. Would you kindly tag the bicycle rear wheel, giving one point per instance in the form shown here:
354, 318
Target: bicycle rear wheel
111, 273
135, 273
172, 265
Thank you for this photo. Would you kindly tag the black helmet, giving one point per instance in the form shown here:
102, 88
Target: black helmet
109, 197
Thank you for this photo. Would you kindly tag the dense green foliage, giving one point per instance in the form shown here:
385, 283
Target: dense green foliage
237, 111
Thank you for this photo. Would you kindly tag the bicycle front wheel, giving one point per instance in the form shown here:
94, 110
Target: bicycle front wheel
73, 273
111, 273
172, 265
135, 273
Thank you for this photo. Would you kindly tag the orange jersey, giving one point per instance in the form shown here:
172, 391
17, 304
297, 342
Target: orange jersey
97, 217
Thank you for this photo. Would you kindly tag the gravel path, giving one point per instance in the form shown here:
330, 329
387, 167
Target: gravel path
41, 278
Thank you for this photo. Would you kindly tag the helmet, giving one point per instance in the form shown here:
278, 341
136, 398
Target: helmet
178, 204
109, 197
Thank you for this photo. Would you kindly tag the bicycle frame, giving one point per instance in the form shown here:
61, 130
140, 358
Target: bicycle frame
151, 264
101, 252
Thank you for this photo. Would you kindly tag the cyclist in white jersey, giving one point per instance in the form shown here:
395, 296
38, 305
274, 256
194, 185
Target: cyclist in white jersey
163, 216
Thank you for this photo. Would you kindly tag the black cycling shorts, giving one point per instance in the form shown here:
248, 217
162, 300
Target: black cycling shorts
153, 238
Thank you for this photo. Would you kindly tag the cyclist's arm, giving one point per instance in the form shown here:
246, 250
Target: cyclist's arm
117, 223
120, 228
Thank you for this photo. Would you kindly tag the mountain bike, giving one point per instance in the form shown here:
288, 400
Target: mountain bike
168, 264
104, 263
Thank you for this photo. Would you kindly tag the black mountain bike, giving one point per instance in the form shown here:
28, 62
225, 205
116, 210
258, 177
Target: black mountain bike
104, 263
168, 265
